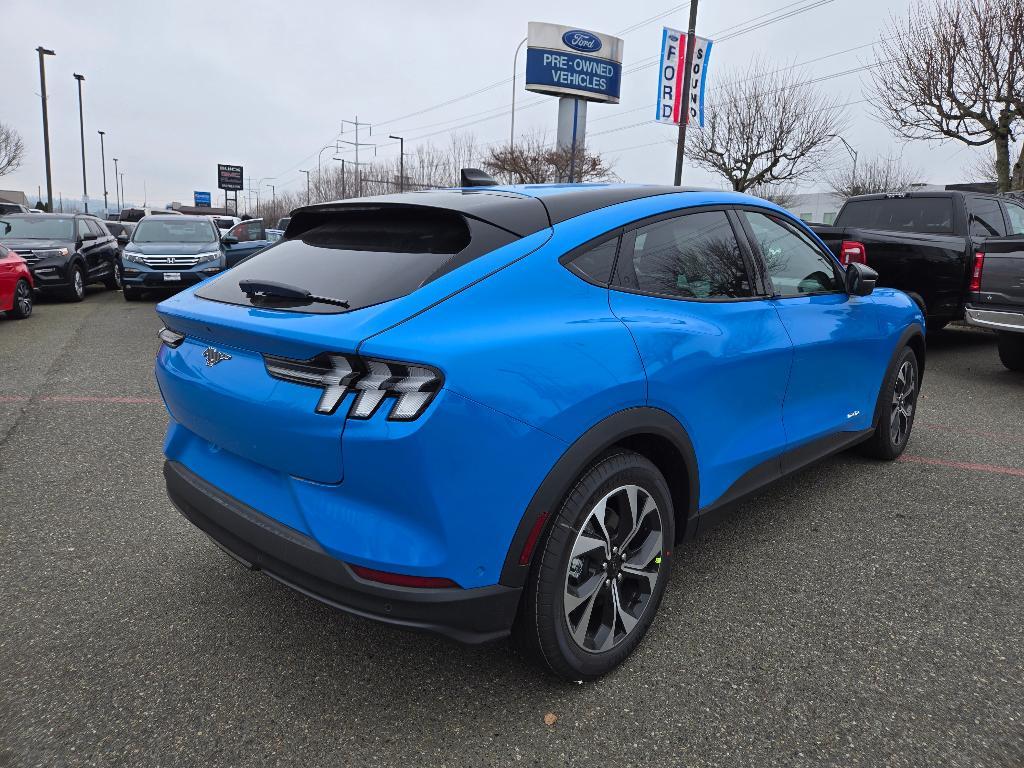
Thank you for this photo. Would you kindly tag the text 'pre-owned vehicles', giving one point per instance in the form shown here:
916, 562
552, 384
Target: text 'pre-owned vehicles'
64, 252
170, 251
927, 243
498, 409
15, 285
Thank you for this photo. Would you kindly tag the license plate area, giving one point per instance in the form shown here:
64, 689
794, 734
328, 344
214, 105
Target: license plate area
172, 277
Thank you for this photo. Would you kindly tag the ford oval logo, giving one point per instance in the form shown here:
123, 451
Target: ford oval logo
579, 40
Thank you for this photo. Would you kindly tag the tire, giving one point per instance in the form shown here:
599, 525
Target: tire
897, 408
597, 633
1011, 350
131, 294
76, 288
113, 280
23, 300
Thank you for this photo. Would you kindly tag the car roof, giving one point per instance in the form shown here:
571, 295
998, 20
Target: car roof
524, 208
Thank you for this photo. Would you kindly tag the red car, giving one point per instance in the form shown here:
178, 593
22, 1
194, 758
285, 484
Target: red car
15, 285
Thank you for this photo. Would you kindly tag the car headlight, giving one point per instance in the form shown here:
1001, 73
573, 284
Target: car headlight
211, 256
49, 253
131, 256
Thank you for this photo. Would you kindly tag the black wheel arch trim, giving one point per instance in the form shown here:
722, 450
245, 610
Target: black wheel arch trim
619, 428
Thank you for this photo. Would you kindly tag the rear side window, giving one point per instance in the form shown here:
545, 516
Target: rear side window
595, 263
794, 264
1015, 213
365, 256
900, 214
986, 217
695, 256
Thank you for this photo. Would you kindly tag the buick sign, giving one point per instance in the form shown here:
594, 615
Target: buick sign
579, 40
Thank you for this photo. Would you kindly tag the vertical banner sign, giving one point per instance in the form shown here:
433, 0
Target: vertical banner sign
671, 100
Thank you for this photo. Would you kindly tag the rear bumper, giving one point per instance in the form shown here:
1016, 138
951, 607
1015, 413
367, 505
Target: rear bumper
995, 320
468, 615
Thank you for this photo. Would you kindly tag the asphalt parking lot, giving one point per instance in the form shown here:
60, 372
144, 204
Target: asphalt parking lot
858, 614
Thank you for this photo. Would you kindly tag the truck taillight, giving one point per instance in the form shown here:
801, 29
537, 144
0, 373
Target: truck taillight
979, 265
852, 252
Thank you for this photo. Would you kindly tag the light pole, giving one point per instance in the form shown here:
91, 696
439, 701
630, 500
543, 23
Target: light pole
307, 184
401, 162
853, 154
515, 59
103, 161
117, 189
124, 197
319, 168
81, 130
46, 124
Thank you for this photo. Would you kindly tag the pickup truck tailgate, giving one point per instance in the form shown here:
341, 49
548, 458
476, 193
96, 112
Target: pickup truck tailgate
1002, 277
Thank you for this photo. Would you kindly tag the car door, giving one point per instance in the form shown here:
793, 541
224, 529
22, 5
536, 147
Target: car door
251, 236
87, 247
105, 248
838, 354
716, 354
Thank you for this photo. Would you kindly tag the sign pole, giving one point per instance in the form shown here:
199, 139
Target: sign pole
691, 43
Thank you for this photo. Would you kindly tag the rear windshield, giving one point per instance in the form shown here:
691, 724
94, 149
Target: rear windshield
224, 223
364, 256
900, 214
177, 230
32, 226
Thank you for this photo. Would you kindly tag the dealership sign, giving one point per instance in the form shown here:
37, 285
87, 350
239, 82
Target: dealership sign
672, 103
566, 61
202, 199
230, 177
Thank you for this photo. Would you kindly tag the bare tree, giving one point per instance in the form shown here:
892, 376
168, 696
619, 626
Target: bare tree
533, 160
783, 195
880, 174
766, 126
12, 150
954, 69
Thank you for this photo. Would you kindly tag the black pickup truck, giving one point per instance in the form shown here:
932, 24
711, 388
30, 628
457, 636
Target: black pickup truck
928, 243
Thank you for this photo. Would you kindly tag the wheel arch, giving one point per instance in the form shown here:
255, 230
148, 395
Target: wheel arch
913, 337
651, 432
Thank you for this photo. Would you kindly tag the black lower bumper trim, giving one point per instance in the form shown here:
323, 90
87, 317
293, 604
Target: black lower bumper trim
467, 615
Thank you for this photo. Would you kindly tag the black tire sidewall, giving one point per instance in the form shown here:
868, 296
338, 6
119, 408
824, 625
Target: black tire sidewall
71, 292
16, 310
557, 649
882, 446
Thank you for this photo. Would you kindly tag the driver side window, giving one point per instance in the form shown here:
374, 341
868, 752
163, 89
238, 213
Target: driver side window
795, 265
83, 229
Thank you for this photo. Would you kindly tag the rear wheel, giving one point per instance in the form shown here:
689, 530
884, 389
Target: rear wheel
1011, 350
131, 294
895, 418
113, 280
600, 573
22, 300
76, 288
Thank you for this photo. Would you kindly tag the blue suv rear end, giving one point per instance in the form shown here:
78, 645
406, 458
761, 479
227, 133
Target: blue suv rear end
496, 410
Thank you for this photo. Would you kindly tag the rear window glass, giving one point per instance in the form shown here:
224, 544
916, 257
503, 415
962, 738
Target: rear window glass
364, 256
900, 214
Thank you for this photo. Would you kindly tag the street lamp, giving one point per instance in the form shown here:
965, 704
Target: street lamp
124, 197
117, 189
515, 59
46, 124
81, 130
103, 162
401, 162
852, 151
307, 184
273, 195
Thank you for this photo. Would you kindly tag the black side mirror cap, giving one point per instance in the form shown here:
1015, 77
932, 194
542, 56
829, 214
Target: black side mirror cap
860, 279
122, 240
89, 236
229, 240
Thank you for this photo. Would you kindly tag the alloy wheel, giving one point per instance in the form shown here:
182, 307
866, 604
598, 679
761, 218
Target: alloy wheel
23, 299
904, 398
79, 285
613, 568
117, 275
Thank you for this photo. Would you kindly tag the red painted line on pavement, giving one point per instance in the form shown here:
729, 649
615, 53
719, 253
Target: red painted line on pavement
1017, 438
990, 468
81, 399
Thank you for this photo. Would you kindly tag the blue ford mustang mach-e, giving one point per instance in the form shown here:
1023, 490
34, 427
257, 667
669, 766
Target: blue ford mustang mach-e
496, 410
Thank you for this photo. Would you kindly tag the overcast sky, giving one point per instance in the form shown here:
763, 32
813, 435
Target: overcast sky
181, 86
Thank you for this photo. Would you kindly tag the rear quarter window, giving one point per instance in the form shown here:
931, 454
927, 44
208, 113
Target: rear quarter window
365, 256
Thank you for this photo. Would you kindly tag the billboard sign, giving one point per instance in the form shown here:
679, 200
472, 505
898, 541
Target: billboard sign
671, 101
567, 61
202, 199
230, 177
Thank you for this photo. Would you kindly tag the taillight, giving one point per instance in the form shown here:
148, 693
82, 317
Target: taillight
979, 265
411, 386
403, 580
852, 252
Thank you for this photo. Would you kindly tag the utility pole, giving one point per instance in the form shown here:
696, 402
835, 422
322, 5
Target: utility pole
307, 184
46, 124
358, 144
81, 130
684, 118
117, 189
103, 161
273, 195
401, 162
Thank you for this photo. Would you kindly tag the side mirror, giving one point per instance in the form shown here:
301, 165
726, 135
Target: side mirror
122, 240
860, 279
229, 240
88, 236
